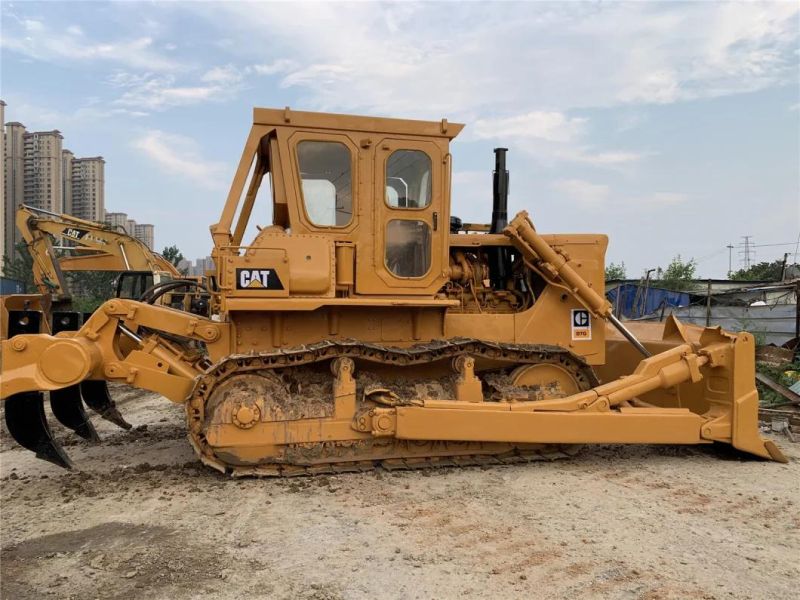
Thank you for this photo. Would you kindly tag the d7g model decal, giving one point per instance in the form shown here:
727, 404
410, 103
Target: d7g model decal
258, 279
581, 324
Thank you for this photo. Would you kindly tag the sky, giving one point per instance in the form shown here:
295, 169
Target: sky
672, 127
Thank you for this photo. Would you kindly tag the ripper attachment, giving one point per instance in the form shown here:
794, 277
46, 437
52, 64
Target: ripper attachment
24, 412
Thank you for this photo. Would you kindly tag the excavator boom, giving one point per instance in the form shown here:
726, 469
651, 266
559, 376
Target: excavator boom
93, 247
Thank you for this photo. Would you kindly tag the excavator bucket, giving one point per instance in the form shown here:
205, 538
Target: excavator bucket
28, 426
96, 396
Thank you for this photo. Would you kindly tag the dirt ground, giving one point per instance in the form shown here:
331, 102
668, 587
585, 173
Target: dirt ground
141, 518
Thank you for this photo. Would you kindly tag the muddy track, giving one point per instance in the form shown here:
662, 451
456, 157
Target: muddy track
280, 367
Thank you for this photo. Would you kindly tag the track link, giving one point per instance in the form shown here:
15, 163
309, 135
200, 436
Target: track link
343, 457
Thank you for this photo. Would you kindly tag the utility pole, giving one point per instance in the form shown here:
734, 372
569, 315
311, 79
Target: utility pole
730, 259
783, 266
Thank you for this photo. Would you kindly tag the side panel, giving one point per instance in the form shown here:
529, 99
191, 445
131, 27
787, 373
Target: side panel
550, 319
397, 326
281, 266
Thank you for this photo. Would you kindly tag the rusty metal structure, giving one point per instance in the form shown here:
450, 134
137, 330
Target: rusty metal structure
366, 324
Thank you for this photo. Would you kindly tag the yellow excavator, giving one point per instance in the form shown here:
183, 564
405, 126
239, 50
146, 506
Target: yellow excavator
368, 325
90, 247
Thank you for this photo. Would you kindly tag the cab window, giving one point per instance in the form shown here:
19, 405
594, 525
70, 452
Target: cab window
325, 172
408, 179
133, 284
408, 247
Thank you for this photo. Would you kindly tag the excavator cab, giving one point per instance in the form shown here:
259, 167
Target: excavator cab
133, 284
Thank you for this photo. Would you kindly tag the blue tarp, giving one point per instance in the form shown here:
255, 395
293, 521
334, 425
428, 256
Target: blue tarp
11, 286
648, 302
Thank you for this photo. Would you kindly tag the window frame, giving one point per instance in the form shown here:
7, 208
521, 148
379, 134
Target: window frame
386, 179
386, 248
294, 142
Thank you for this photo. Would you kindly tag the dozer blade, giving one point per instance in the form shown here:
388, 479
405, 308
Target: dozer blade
68, 409
27, 424
96, 396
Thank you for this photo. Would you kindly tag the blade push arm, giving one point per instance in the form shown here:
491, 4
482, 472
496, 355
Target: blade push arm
612, 412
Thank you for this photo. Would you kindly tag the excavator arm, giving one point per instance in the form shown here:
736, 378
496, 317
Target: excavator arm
94, 247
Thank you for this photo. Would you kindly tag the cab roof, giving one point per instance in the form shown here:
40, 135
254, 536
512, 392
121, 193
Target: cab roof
286, 117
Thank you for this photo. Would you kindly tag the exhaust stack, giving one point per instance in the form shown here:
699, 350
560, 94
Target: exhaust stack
499, 192
499, 257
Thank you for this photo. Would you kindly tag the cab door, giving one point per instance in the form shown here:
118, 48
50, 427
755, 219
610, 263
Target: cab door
409, 219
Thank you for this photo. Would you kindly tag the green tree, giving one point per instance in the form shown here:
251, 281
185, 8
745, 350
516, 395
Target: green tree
20, 267
679, 274
763, 271
173, 255
89, 289
616, 271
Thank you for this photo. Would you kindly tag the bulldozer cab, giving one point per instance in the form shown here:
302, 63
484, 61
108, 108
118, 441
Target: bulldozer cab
360, 205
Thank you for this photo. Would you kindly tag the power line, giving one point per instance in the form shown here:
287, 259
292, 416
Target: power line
768, 245
702, 259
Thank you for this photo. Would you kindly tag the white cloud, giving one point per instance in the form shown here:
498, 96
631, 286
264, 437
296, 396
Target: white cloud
223, 75
610, 158
663, 199
516, 59
155, 92
515, 71
598, 195
583, 192
177, 155
552, 126
36, 40
657, 87
149, 92
551, 136
280, 65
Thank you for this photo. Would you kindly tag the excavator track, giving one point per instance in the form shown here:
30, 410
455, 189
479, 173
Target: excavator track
388, 453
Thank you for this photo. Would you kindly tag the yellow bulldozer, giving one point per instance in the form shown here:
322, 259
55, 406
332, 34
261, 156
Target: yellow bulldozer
368, 325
